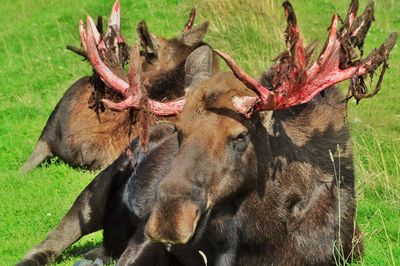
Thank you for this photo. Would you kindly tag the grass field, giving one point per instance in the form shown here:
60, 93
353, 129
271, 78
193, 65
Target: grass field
36, 70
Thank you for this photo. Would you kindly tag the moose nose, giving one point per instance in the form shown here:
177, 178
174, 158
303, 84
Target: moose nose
175, 226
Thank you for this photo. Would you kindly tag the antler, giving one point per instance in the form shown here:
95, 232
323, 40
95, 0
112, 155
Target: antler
114, 22
131, 91
296, 82
113, 25
189, 23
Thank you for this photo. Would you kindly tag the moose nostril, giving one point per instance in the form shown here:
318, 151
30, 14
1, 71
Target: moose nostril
175, 226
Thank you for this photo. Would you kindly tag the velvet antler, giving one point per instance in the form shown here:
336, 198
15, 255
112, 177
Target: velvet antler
131, 91
113, 26
296, 81
114, 23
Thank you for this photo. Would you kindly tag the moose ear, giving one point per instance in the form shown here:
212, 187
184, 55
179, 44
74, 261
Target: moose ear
194, 36
198, 66
148, 43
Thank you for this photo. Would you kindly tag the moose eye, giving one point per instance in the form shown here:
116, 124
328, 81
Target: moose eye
150, 57
240, 141
241, 137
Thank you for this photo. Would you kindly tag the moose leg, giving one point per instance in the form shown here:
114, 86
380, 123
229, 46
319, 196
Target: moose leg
85, 216
41, 153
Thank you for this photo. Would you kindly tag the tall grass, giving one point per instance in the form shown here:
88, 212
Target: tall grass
240, 27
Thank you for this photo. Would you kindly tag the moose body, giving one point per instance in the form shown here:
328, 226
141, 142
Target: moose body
74, 133
269, 196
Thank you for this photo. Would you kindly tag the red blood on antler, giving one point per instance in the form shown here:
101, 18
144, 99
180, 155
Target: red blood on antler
131, 91
115, 18
296, 82
113, 27
94, 50
114, 22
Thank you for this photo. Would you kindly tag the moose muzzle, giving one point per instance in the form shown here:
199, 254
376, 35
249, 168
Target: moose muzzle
173, 224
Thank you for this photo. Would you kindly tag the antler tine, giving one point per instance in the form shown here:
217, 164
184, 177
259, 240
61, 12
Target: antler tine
189, 23
82, 33
134, 93
350, 17
369, 66
104, 72
245, 105
361, 26
96, 34
135, 72
114, 22
293, 38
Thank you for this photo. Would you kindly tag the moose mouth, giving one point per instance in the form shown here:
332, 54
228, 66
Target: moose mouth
187, 225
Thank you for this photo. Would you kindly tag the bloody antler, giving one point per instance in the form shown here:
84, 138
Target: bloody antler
296, 82
94, 49
113, 26
114, 22
132, 91
189, 23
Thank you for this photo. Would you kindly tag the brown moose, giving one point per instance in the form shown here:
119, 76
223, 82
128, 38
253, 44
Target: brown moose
266, 174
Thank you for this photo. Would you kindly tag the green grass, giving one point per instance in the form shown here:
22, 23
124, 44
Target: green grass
36, 70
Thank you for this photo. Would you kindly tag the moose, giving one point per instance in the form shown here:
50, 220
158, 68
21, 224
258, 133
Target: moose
254, 171
92, 139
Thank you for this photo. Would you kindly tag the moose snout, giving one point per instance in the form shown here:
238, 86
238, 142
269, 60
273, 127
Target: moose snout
175, 224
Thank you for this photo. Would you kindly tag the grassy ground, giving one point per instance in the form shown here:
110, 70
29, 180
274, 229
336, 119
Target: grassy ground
36, 70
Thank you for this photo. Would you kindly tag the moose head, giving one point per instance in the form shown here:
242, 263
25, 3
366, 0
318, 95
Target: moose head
267, 171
